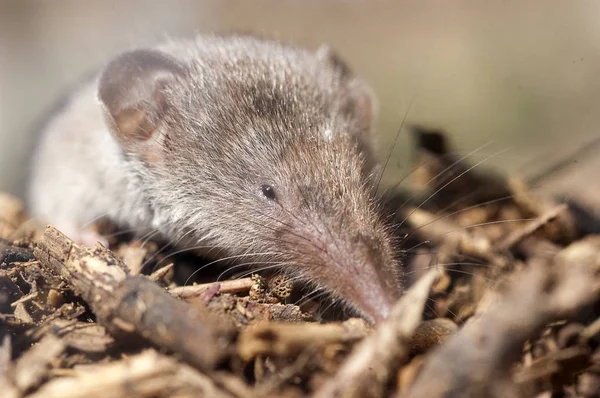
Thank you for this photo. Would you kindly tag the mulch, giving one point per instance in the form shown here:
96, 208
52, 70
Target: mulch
503, 301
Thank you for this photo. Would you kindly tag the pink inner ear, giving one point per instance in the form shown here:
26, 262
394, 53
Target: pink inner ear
131, 89
133, 124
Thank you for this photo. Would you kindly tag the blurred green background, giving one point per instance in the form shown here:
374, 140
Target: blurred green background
522, 75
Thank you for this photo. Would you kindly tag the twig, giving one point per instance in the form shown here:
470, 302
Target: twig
148, 374
376, 358
32, 367
283, 339
134, 305
519, 234
229, 286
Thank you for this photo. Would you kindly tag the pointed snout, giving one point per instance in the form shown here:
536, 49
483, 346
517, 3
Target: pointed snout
375, 273
375, 300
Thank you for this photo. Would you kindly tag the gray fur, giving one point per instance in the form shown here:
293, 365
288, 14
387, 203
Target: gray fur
244, 113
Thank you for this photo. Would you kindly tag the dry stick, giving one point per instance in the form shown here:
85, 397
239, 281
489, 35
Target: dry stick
230, 286
371, 365
134, 306
446, 231
519, 234
288, 339
148, 374
591, 330
32, 367
483, 352
551, 364
161, 273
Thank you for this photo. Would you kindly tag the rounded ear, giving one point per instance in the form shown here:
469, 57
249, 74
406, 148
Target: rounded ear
131, 89
328, 55
362, 103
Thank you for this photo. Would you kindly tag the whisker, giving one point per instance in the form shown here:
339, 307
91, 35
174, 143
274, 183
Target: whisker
320, 219
405, 176
162, 249
448, 168
458, 212
306, 204
590, 148
332, 302
277, 264
311, 243
311, 297
225, 259
459, 271
466, 227
275, 219
482, 265
431, 308
119, 233
488, 223
253, 271
185, 249
463, 255
447, 309
416, 246
450, 182
93, 220
429, 161
389, 156
146, 238
274, 230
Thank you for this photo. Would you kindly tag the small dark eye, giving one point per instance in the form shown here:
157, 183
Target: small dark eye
268, 191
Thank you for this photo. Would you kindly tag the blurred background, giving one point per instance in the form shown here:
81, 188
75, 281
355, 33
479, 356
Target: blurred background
513, 74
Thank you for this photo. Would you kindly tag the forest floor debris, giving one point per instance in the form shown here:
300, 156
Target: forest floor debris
504, 301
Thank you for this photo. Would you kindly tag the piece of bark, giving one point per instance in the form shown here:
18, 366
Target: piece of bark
563, 228
376, 359
133, 305
86, 337
133, 256
22, 314
148, 374
520, 233
564, 362
282, 339
31, 368
484, 350
445, 233
288, 313
164, 274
